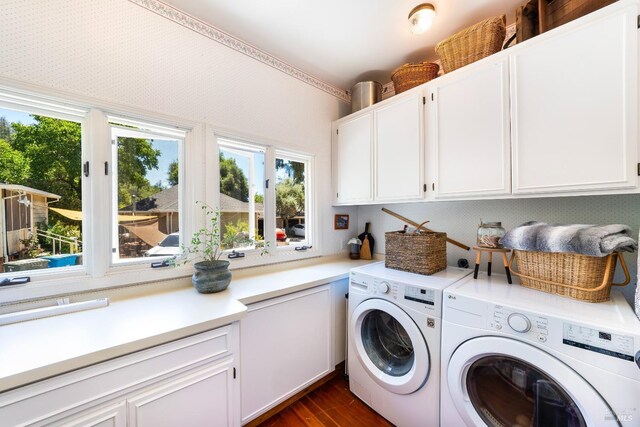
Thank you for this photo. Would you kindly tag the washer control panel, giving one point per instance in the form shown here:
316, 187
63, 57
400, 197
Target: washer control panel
505, 320
386, 288
421, 295
603, 342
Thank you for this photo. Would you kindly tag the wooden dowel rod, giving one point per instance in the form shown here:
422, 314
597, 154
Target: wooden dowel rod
415, 224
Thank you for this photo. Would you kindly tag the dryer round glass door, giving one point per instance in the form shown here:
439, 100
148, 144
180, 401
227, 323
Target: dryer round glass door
502, 382
390, 346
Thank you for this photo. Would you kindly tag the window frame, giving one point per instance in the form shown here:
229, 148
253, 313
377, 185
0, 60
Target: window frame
308, 192
199, 157
272, 149
146, 131
97, 273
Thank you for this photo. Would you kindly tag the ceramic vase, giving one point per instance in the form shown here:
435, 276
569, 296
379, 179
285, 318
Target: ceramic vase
211, 276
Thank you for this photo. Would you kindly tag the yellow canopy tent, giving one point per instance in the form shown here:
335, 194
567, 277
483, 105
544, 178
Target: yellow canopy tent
77, 215
147, 232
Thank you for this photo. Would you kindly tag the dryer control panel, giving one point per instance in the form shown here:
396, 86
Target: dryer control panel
506, 320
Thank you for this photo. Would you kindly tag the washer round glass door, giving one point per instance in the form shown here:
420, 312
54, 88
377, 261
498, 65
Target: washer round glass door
502, 382
390, 346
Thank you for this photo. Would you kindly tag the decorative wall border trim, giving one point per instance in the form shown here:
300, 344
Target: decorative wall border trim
238, 45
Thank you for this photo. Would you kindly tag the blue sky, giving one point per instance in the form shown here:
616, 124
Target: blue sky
16, 116
168, 153
243, 163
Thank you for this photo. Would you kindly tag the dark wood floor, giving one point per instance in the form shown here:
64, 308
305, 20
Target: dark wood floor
330, 405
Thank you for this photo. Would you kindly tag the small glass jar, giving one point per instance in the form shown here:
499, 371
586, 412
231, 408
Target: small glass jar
354, 248
489, 234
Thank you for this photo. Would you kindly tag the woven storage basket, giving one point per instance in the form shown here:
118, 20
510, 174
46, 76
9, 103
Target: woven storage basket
471, 44
412, 75
583, 277
423, 253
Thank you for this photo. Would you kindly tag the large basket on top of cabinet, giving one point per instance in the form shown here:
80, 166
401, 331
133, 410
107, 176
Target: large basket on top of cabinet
471, 44
583, 277
412, 75
421, 253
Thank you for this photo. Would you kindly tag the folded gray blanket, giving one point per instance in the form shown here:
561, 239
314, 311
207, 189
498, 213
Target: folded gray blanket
593, 240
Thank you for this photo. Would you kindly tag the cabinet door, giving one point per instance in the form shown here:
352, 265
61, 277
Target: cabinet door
114, 415
575, 105
195, 398
352, 154
399, 150
286, 345
470, 134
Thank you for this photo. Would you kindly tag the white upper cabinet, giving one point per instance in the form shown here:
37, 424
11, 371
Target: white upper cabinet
555, 115
574, 98
470, 132
399, 149
352, 160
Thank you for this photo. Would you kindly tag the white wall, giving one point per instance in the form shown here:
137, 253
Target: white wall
460, 220
119, 52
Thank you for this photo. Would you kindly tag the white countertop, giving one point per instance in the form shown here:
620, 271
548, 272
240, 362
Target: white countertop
38, 349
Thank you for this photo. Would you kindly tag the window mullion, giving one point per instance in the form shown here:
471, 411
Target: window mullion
97, 207
270, 198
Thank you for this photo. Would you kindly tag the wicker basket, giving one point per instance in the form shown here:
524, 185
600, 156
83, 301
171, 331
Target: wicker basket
423, 253
469, 45
412, 75
583, 277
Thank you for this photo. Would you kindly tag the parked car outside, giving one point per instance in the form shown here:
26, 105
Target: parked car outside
281, 236
169, 246
298, 230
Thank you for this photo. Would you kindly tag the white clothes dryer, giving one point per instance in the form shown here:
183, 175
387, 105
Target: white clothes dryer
513, 356
394, 341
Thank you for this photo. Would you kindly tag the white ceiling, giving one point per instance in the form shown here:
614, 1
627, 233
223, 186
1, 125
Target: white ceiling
342, 42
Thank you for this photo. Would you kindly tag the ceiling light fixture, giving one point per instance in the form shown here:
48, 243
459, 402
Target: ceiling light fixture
421, 18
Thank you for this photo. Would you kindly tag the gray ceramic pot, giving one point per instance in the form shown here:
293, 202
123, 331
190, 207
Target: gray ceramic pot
211, 276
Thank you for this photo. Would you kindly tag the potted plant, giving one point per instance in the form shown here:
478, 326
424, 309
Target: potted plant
212, 274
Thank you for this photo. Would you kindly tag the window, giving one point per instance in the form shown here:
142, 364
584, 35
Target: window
242, 195
254, 215
292, 201
146, 192
41, 215
89, 200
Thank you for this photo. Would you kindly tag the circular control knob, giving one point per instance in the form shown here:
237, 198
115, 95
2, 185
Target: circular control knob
519, 322
383, 288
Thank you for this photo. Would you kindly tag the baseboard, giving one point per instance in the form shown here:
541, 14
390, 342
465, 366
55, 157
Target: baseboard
284, 405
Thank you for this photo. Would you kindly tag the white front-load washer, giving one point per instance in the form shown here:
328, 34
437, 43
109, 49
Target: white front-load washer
394, 341
513, 356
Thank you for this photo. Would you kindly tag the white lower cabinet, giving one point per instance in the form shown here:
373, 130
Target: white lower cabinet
286, 344
188, 382
113, 415
201, 398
